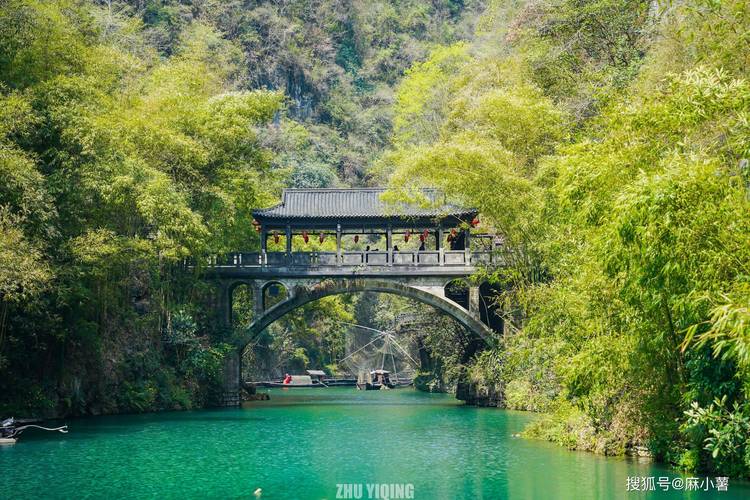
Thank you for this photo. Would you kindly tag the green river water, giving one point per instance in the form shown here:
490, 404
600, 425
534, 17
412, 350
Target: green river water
304, 442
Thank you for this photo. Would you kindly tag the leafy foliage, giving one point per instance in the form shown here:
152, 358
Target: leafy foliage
624, 213
727, 432
118, 165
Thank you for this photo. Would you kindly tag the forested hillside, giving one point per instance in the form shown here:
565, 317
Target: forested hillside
336, 62
138, 133
607, 141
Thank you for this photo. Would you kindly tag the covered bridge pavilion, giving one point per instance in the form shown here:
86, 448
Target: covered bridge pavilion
437, 234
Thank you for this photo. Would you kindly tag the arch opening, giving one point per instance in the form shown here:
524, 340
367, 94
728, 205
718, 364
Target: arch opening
273, 292
305, 294
490, 308
458, 291
336, 335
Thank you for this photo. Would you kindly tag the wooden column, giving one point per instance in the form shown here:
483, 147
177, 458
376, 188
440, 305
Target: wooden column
263, 246
389, 243
289, 241
467, 246
338, 245
439, 246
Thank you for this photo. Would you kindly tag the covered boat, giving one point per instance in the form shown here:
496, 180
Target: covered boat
377, 379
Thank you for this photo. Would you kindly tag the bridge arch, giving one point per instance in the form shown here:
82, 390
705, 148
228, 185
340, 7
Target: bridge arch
302, 294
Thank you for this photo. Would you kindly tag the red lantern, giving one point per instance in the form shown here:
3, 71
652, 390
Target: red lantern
453, 232
275, 237
475, 222
256, 224
322, 237
425, 234
421, 238
407, 235
356, 238
305, 236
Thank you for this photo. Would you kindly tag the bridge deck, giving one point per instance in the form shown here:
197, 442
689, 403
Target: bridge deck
333, 264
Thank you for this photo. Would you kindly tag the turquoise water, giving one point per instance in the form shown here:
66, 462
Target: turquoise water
303, 442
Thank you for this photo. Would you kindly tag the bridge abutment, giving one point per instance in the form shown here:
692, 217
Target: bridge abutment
232, 379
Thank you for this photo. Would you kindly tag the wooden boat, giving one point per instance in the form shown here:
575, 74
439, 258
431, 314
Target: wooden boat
340, 382
326, 382
377, 380
282, 384
296, 381
10, 429
403, 383
369, 386
315, 378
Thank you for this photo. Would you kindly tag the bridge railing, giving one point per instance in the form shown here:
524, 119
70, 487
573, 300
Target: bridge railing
448, 258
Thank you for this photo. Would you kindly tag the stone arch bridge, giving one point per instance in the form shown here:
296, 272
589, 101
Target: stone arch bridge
420, 273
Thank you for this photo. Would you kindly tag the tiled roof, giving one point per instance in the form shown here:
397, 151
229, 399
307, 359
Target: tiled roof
352, 203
